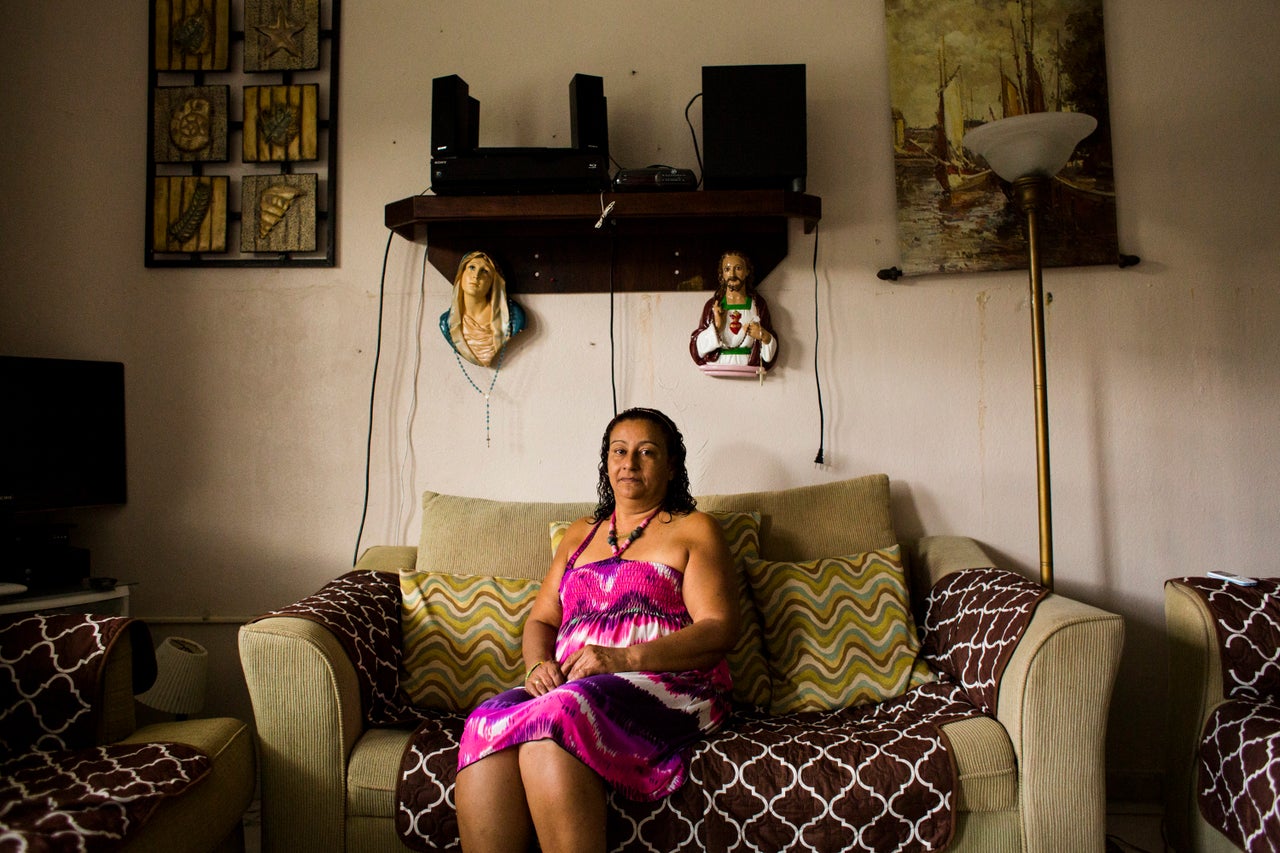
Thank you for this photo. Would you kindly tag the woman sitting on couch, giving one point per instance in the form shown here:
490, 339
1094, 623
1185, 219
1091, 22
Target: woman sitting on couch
625, 653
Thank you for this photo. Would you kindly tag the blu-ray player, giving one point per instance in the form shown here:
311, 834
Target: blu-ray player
501, 171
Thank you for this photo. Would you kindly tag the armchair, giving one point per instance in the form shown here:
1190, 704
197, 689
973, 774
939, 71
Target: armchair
1224, 714
70, 745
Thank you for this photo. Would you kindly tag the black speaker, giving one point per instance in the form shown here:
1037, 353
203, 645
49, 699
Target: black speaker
455, 118
588, 114
753, 127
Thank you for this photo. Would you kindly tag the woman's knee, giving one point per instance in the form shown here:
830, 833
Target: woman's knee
498, 771
545, 765
566, 798
490, 800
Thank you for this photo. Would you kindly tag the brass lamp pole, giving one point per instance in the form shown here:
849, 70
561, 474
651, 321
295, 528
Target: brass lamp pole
1032, 192
1028, 150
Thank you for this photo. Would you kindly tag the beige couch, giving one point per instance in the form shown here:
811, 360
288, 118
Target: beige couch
1029, 780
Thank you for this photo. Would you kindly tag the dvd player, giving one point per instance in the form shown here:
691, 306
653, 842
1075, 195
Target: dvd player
503, 171
655, 178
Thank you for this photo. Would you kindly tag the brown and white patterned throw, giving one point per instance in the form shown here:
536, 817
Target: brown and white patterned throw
1239, 768
50, 677
868, 778
971, 627
58, 791
90, 799
362, 610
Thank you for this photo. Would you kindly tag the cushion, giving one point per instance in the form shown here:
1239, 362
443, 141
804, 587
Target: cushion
838, 630
747, 664
810, 522
558, 530
462, 636
487, 537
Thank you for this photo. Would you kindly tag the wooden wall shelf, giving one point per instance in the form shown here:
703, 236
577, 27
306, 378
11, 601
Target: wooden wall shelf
651, 241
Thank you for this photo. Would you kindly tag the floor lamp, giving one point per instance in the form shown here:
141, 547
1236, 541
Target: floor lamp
1028, 150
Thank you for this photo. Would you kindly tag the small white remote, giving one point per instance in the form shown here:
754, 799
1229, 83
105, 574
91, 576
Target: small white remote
1231, 577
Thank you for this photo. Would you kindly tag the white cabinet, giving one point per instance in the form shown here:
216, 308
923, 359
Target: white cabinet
109, 602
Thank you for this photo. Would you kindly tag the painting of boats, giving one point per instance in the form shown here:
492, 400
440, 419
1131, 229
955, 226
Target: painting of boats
957, 64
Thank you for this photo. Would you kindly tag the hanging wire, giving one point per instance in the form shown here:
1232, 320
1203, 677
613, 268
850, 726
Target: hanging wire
817, 378
613, 369
696, 153
373, 388
409, 454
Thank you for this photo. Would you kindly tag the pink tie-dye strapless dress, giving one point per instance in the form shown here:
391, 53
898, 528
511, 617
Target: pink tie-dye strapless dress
632, 728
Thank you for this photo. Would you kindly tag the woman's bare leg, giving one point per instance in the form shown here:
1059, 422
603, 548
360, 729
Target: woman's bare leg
492, 815
566, 799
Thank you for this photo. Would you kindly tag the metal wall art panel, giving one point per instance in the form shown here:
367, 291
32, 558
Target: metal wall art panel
241, 93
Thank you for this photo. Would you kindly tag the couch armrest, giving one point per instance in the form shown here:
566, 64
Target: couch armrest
101, 662
217, 804
392, 559
117, 719
1195, 689
306, 706
309, 697
1054, 699
934, 557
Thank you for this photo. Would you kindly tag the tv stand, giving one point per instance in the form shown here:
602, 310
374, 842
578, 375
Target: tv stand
108, 602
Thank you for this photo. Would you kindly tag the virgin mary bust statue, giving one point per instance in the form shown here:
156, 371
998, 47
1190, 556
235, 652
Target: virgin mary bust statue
481, 319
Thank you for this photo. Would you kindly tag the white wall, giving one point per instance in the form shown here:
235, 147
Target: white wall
248, 389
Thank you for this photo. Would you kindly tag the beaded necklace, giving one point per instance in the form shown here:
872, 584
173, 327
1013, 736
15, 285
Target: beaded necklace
635, 534
497, 365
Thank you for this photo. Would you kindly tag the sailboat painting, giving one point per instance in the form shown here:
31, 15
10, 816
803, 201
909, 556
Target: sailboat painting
957, 64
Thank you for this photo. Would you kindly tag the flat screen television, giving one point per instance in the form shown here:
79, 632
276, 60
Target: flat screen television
62, 434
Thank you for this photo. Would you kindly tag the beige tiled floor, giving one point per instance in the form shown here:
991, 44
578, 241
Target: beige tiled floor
253, 829
1134, 828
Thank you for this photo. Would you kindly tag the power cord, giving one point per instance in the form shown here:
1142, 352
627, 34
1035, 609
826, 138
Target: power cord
694, 134
406, 470
613, 369
817, 378
373, 388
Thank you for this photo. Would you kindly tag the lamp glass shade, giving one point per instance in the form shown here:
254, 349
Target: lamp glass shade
182, 669
1030, 144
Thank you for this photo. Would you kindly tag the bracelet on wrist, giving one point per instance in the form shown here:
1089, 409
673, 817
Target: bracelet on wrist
533, 669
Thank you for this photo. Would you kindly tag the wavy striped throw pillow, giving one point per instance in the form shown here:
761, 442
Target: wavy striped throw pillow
462, 636
558, 530
838, 630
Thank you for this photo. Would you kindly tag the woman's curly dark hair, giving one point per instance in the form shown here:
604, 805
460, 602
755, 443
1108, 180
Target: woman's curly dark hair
678, 500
